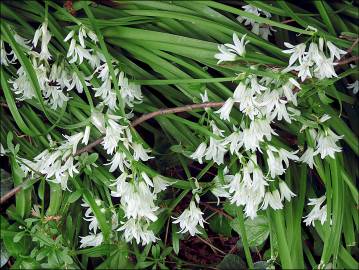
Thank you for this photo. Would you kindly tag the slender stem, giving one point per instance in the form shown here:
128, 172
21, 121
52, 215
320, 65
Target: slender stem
242, 229
283, 248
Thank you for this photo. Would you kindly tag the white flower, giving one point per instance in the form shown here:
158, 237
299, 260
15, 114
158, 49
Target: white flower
77, 52
304, 69
73, 141
130, 92
248, 191
97, 59
250, 9
137, 200
258, 29
139, 153
317, 213
224, 55
86, 137
114, 132
26, 165
91, 218
200, 152
264, 31
216, 131
280, 112
276, 158
189, 219
335, 52
288, 90
83, 33
216, 150
121, 184
235, 141
118, 161
308, 157
273, 200
69, 36
255, 86
219, 189
325, 68
262, 128
22, 42
297, 52
225, 110
2, 150
56, 98
76, 83
147, 179
250, 139
204, 96
324, 118
4, 60
239, 45
135, 229
45, 36
354, 86
326, 144
70, 167
98, 120
160, 183
22, 85
92, 240
285, 192
314, 54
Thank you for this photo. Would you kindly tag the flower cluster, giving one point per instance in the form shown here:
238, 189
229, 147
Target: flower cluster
95, 238
58, 163
189, 219
263, 101
130, 92
318, 212
79, 52
229, 52
313, 62
324, 143
262, 30
54, 79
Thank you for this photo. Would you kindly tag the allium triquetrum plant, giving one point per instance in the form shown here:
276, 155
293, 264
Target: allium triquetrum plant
179, 134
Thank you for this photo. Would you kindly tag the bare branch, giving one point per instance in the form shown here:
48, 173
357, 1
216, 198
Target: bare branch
185, 108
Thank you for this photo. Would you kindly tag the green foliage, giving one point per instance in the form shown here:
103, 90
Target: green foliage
168, 47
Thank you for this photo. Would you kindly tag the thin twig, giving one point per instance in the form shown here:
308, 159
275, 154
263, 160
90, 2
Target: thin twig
288, 21
89, 146
353, 46
219, 211
185, 108
211, 246
12, 193
347, 61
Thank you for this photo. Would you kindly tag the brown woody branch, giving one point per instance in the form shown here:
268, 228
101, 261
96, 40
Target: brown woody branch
12, 192
355, 43
347, 61
185, 108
